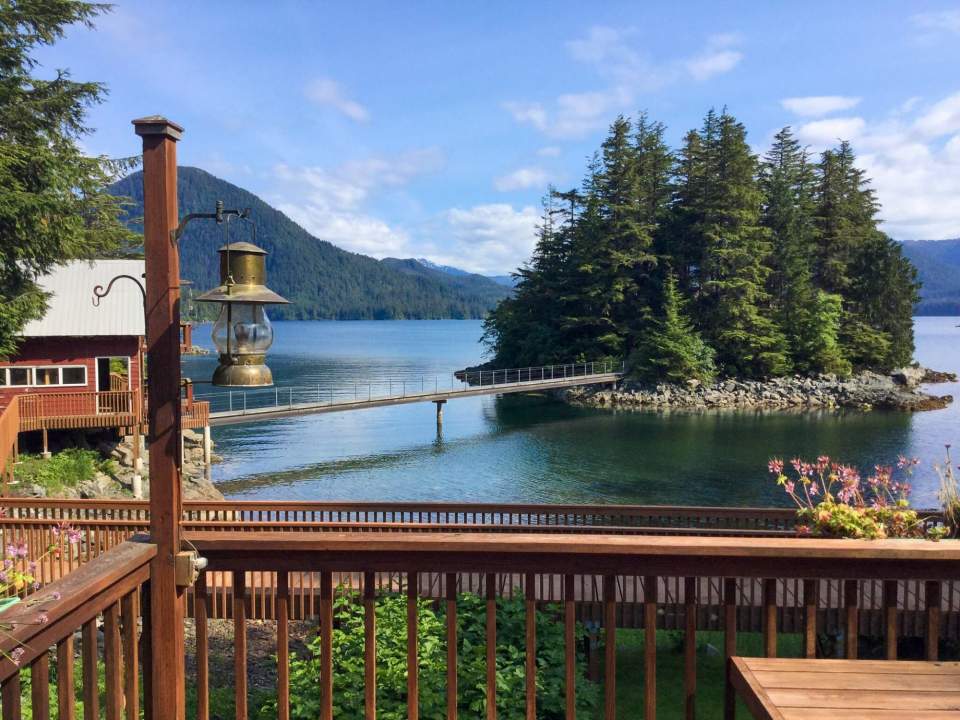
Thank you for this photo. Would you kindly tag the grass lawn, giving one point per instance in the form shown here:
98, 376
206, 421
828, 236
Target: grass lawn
710, 671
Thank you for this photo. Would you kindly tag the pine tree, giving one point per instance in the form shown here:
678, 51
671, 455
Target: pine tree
734, 304
809, 317
855, 259
672, 350
53, 206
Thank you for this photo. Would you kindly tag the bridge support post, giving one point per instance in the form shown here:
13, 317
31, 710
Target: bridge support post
137, 462
206, 450
439, 404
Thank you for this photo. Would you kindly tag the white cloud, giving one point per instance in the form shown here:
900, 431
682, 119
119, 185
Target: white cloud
549, 151
488, 239
628, 72
943, 21
817, 105
718, 57
324, 91
912, 156
827, 133
330, 203
941, 119
522, 179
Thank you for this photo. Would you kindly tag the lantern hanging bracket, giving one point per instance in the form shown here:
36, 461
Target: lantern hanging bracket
219, 214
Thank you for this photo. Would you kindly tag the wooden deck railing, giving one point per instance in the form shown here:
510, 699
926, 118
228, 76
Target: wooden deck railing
108, 587
9, 430
538, 559
68, 410
114, 408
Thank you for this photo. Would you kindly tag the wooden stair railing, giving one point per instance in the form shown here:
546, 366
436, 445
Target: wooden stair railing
42, 628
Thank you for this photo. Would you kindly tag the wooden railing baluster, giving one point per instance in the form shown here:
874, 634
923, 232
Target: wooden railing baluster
932, 592
491, 631
91, 695
729, 642
283, 646
651, 586
326, 645
770, 617
451, 593
203, 648
240, 644
811, 591
113, 678
890, 619
610, 647
530, 647
690, 647
413, 665
131, 669
570, 647
66, 710
369, 645
40, 688
851, 602
10, 698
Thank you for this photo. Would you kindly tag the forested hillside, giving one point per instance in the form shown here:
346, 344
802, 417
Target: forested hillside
711, 261
321, 280
938, 262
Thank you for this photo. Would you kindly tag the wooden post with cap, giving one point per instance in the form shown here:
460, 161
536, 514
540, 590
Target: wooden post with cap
167, 601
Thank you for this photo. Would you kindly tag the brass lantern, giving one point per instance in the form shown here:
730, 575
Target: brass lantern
242, 333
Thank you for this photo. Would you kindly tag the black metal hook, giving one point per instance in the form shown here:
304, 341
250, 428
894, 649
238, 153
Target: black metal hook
99, 293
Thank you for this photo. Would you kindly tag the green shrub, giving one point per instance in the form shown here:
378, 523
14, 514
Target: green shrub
348, 675
65, 469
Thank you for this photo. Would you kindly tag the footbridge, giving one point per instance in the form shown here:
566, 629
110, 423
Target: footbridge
231, 407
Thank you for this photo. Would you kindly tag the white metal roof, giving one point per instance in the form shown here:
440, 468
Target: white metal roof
71, 311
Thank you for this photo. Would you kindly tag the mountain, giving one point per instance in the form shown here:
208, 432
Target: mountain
321, 280
505, 280
938, 262
483, 289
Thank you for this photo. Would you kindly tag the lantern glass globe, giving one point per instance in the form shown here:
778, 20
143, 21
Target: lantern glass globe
242, 329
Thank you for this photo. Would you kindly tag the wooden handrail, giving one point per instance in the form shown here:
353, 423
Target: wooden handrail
516, 552
9, 430
108, 586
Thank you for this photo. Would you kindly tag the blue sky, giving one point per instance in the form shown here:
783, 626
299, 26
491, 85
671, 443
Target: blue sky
432, 129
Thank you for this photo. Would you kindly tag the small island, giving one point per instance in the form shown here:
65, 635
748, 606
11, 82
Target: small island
720, 278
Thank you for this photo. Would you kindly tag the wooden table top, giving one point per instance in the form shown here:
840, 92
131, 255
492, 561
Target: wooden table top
788, 689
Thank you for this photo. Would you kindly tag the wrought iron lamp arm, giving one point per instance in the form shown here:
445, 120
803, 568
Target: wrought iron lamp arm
99, 292
219, 214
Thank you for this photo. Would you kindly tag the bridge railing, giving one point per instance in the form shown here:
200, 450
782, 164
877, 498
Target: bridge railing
400, 386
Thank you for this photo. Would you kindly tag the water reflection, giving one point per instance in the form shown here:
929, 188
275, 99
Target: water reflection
533, 449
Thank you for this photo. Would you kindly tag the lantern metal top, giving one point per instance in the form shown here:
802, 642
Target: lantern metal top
242, 277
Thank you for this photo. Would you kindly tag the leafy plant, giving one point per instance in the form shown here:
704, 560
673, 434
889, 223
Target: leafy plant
949, 492
348, 662
834, 500
67, 468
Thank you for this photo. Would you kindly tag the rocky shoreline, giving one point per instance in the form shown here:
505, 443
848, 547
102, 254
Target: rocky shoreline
899, 390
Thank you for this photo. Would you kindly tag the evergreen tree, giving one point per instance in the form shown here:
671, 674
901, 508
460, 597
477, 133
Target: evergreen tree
53, 206
855, 259
672, 350
734, 304
808, 317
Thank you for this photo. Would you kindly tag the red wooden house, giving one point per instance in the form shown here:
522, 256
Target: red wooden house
81, 365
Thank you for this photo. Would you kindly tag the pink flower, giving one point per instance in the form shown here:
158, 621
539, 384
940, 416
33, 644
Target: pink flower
814, 489
16, 655
789, 486
775, 466
43, 618
55, 595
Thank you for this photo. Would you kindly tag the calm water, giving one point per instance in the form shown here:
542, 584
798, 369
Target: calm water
531, 449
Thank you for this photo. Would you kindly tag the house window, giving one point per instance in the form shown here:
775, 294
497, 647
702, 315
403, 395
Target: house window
19, 376
43, 376
46, 376
74, 375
